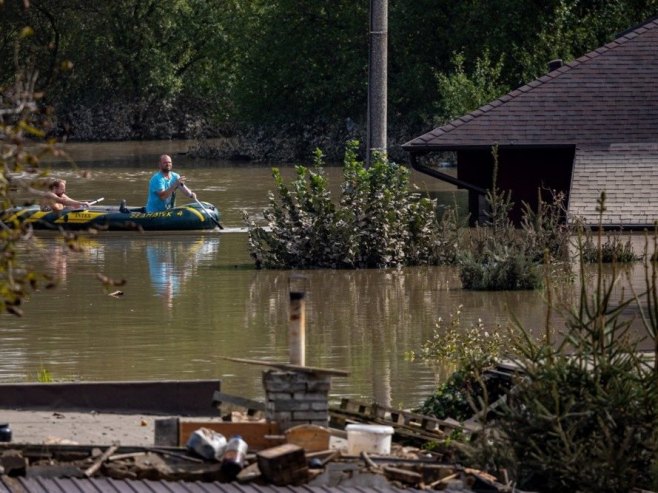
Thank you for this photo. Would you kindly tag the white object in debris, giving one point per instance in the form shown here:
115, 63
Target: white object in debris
372, 439
207, 443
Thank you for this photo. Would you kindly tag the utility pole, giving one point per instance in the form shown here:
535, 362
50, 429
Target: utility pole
377, 77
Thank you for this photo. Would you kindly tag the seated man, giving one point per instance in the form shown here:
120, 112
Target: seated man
163, 185
55, 199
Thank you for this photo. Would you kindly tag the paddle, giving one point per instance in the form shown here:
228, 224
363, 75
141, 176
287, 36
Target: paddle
90, 204
188, 191
96, 201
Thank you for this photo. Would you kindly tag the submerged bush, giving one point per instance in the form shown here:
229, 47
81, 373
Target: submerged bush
376, 222
495, 256
614, 249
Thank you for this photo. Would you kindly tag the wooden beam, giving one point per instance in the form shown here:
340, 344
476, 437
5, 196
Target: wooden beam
291, 367
219, 397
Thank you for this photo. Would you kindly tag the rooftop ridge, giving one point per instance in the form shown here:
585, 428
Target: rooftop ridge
542, 80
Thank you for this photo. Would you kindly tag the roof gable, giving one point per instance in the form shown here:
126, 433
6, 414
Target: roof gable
608, 95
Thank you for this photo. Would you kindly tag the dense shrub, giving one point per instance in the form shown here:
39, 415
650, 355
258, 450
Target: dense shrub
377, 221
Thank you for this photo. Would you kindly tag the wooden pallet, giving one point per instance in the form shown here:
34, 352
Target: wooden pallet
414, 427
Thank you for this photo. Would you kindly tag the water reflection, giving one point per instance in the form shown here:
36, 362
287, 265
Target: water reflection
172, 263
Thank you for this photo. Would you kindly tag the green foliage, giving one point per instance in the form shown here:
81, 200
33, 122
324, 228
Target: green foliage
377, 222
259, 62
25, 123
461, 93
44, 376
505, 268
302, 61
465, 353
145, 54
545, 229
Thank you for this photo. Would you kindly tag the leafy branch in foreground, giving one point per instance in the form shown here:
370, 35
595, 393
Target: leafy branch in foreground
376, 222
25, 122
21, 128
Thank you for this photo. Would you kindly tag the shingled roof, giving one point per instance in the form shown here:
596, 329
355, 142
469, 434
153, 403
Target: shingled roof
632, 201
609, 95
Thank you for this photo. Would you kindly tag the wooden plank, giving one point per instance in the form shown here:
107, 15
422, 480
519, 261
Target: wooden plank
219, 397
288, 366
258, 435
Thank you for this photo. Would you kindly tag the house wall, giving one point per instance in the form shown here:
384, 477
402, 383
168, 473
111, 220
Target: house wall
523, 171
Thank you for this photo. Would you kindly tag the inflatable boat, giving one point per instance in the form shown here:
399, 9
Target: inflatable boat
195, 216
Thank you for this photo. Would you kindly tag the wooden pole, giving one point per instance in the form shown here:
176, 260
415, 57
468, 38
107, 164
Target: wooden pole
297, 324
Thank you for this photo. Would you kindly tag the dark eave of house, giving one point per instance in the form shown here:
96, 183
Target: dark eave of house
609, 95
419, 150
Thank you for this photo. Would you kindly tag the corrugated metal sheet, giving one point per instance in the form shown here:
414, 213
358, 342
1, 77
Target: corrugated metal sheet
106, 485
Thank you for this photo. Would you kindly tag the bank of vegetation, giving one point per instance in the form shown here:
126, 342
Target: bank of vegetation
279, 78
581, 412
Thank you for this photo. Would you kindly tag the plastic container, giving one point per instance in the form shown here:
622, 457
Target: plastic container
5, 432
207, 443
234, 457
372, 439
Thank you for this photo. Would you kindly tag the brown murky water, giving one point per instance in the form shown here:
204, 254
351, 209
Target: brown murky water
192, 299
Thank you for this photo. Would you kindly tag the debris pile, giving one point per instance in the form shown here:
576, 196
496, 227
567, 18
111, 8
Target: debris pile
283, 465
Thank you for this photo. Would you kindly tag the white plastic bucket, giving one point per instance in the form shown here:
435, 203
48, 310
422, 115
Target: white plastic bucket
372, 439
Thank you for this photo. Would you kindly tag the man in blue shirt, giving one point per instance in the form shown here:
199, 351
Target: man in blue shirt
163, 186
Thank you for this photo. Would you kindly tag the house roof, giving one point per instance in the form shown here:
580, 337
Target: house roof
627, 173
608, 95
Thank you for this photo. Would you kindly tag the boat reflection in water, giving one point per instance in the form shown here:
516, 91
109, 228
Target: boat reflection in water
172, 262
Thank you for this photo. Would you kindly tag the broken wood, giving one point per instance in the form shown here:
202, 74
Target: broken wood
402, 475
177, 455
91, 470
130, 455
415, 428
371, 465
283, 465
249, 473
291, 367
445, 480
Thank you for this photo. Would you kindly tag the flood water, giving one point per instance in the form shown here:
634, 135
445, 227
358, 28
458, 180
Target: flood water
190, 300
